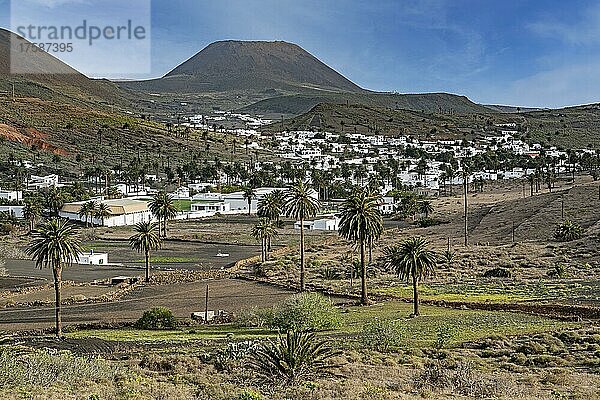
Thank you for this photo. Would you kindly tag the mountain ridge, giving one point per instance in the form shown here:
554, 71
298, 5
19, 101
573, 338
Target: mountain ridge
250, 65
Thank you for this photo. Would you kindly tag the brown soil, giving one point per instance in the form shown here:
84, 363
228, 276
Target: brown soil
30, 137
183, 298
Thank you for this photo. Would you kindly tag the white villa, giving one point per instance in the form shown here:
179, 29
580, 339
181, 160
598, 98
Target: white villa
322, 224
209, 208
92, 258
43, 182
11, 195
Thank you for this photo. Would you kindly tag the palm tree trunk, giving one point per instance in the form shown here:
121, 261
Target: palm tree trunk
147, 265
364, 299
415, 297
57, 293
466, 189
302, 282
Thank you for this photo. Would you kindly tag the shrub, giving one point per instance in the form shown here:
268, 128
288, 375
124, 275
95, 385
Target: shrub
330, 272
249, 395
20, 368
497, 273
226, 359
461, 378
305, 312
444, 335
568, 231
558, 271
448, 257
158, 318
292, 358
427, 222
254, 318
170, 363
381, 334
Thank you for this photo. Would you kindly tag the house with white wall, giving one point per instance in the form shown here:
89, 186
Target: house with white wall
122, 212
11, 195
93, 258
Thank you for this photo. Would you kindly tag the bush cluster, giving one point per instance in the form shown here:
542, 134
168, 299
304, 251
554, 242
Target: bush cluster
381, 334
305, 312
301, 312
158, 318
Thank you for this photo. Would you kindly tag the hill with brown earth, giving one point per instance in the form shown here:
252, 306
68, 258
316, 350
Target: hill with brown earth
47, 77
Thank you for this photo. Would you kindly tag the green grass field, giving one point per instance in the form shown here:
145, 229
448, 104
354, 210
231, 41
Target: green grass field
183, 205
421, 332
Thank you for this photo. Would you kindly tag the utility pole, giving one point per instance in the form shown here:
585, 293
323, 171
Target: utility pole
466, 190
206, 307
13, 92
513, 230
562, 207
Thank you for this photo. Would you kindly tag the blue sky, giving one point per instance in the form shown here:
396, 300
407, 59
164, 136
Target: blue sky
527, 52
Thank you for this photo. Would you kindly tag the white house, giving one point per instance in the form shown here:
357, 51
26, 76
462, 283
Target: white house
11, 195
182, 193
43, 182
92, 258
122, 212
239, 204
322, 224
15, 211
211, 208
133, 190
208, 197
388, 206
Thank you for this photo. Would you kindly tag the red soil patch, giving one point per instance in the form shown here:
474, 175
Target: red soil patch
30, 137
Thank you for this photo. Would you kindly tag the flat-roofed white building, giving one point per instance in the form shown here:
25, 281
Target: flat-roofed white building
11, 195
123, 212
93, 258
42, 182
210, 208
15, 211
321, 224
239, 204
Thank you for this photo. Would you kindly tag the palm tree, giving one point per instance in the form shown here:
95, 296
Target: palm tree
54, 200
55, 246
163, 209
146, 238
86, 210
249, 195
362, 222
32, 212
263, 232
425, 207
465, 177
300, 204
102, 211
411, 259
271, 206
294, 357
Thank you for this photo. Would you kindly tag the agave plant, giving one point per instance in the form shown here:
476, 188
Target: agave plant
292, 358
568, 231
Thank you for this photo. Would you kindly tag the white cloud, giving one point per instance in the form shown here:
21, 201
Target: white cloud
564, 86
54, 3
582, 32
